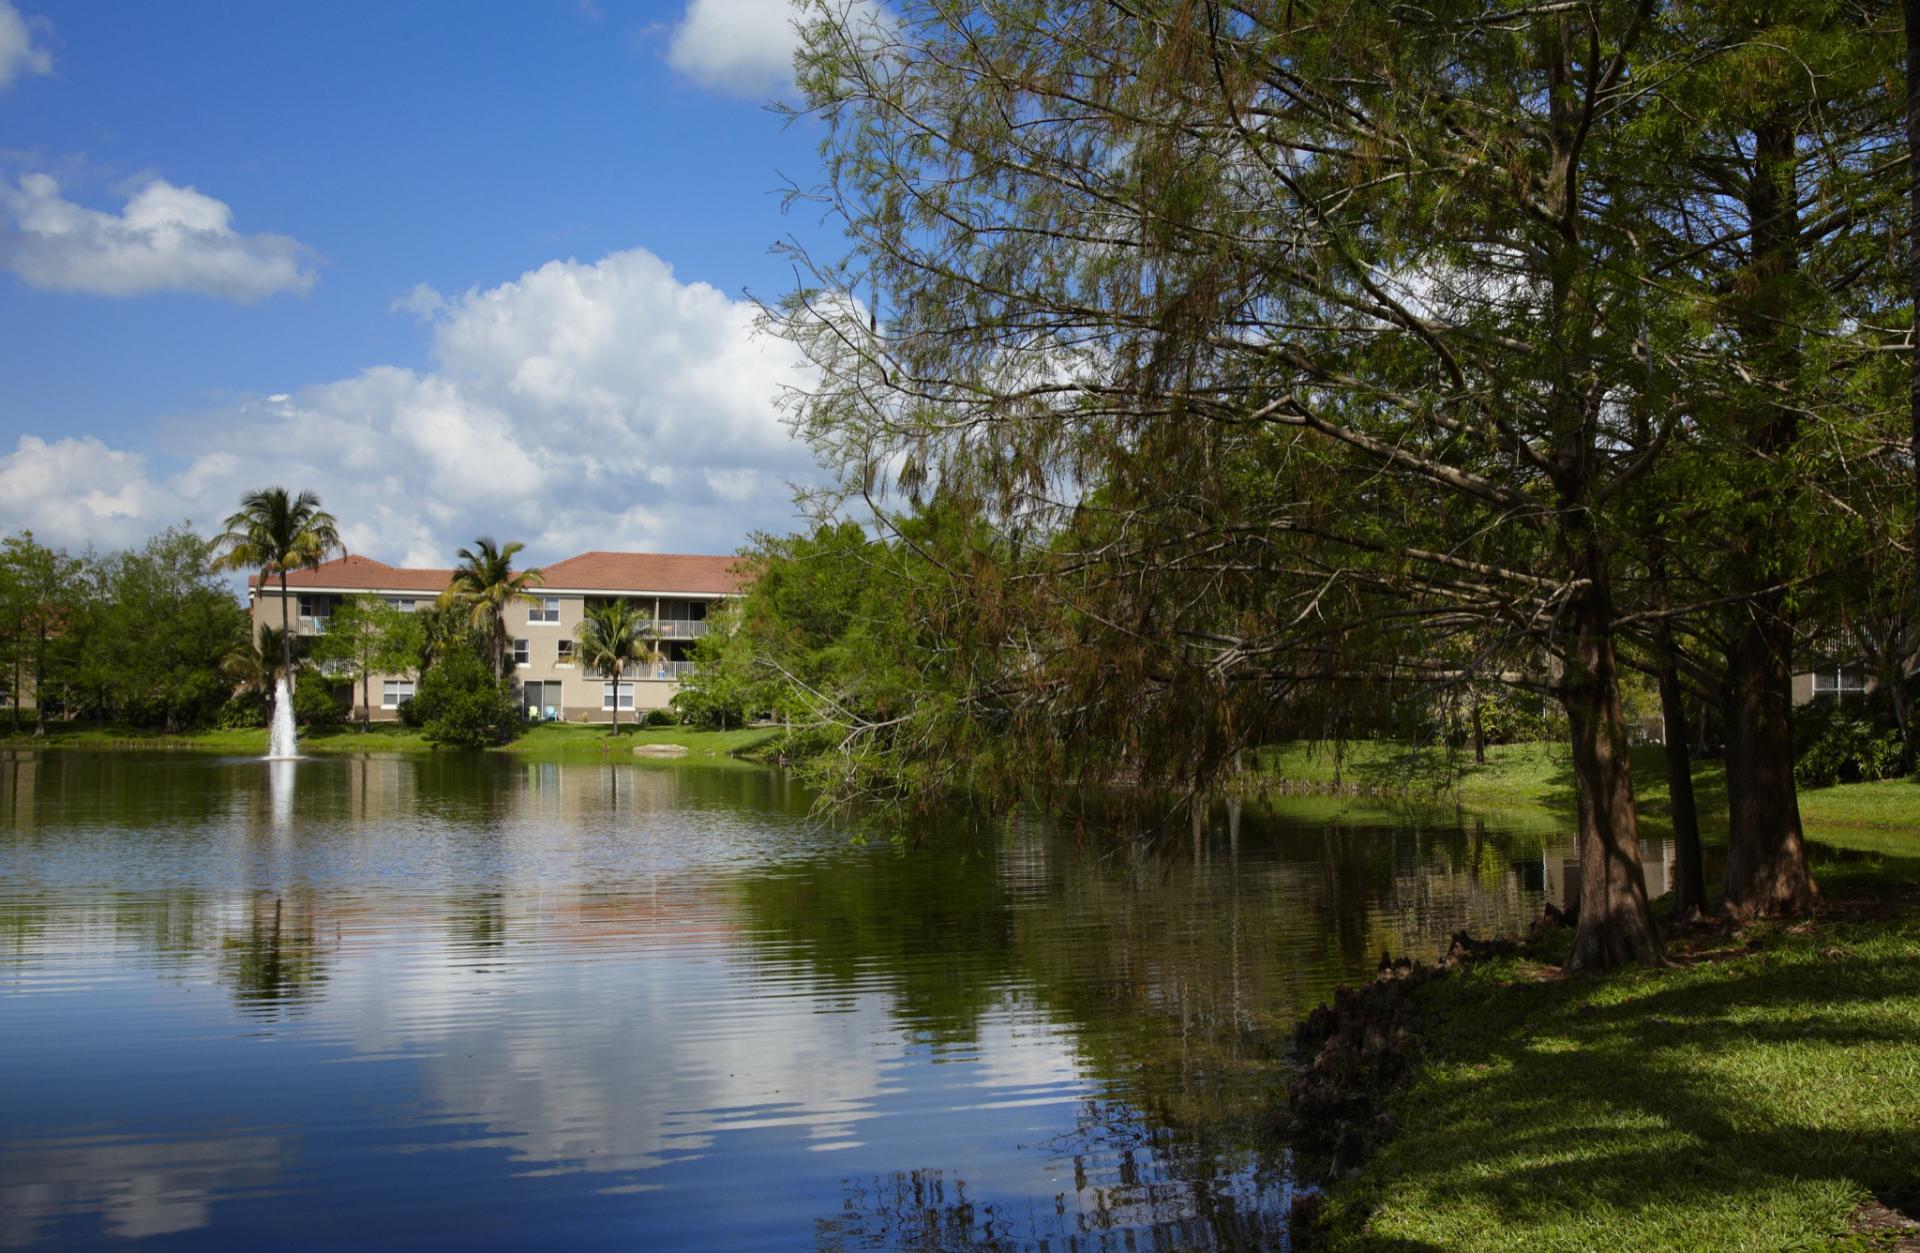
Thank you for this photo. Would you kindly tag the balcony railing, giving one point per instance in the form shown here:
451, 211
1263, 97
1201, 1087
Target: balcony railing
312, 624
674, 629
664, 670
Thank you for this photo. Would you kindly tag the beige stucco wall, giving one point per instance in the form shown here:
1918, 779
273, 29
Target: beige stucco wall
580, 690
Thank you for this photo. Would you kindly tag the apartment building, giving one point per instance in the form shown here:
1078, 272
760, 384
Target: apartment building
676, 592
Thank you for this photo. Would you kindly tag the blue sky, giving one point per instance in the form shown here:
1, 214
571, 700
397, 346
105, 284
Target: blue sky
459, 268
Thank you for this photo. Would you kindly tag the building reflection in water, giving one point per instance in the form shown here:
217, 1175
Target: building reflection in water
137, 1187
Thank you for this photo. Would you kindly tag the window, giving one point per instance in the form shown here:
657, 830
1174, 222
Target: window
405, 604
393, 691
566, 653
548, 610
626, 696
315, 606
520, 654
1839, 681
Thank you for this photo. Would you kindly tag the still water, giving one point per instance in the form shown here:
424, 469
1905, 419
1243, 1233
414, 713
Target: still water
474, 1002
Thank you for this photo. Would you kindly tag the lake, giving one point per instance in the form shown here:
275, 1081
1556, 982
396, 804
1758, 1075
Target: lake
481, 1002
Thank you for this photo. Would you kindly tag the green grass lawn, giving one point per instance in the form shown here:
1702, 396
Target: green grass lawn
557, 741
1751, 1098
1747, 1098
1539, 777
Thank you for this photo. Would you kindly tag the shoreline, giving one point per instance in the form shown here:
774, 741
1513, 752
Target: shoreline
576, 741
1756, 1093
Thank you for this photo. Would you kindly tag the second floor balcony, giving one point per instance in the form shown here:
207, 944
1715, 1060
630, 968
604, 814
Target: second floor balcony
674, 629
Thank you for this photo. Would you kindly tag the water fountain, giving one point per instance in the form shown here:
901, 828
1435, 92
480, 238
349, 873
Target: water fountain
281, 745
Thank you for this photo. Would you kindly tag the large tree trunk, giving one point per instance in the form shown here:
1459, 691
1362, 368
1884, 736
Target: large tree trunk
616, 704
1615, 927
1767, 871
1912, 11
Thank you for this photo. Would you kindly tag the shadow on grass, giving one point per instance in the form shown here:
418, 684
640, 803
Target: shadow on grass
1741, 1103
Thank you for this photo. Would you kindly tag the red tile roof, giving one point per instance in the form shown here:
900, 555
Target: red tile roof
645, 572
589, 572
356, 573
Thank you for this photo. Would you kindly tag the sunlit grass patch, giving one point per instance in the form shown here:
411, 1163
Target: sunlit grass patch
1749, 1101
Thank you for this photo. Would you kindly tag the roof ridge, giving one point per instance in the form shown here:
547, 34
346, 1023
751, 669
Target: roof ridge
631, 552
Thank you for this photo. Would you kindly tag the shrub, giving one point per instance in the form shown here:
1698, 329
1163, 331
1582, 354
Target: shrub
243, 709
1843, 742
315, 700
660, 718
459, 702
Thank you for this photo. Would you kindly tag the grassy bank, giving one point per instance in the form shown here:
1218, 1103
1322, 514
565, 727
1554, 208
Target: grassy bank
1753, 1096
1540, 777
557, 741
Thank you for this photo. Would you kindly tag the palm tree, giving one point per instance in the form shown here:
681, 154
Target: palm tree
612, 633
254, 664
484, 584
278, 532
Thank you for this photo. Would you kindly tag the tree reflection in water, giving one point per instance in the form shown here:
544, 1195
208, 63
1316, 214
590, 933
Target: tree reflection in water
274, 966
1125, 1184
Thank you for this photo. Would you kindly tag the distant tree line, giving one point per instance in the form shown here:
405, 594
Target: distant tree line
155, 638
145, 636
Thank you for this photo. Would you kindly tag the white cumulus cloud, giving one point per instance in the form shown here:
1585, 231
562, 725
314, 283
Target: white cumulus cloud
744, 47
80, 491
20, 53
581, 405
166, 238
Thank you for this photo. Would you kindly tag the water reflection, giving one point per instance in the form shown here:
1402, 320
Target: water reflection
280, 789
476, 998
275, 963
138, 1188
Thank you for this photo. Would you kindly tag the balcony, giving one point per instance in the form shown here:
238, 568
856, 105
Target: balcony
673, 629
312, 624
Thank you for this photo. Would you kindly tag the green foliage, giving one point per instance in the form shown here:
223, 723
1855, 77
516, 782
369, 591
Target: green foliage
49, 595
157, 633
722, 692
366, 637
318, 700
1841, 741
612, 636
276, 531
1509, 717
461, 703
662, 718
484, 583
141, 636
254, 664
246, 708
849, 643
